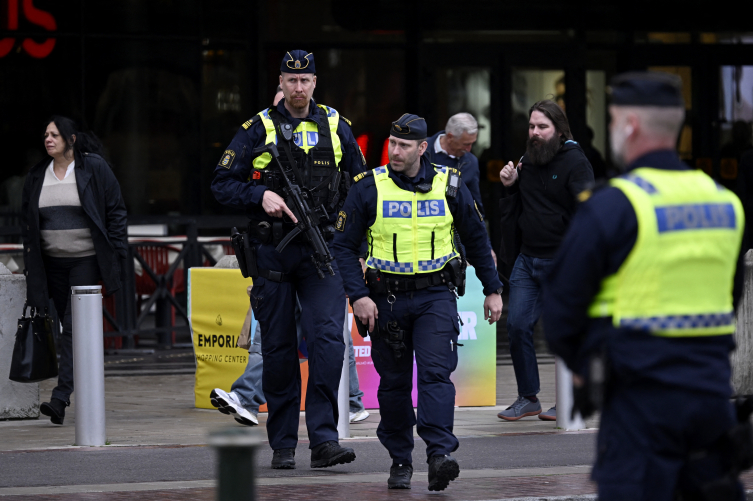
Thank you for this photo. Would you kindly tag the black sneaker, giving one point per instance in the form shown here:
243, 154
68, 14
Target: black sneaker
442, 470
331, 454
283, 459
400, 475
55, 408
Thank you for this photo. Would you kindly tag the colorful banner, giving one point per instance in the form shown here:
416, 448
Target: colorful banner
218, 302
475, 378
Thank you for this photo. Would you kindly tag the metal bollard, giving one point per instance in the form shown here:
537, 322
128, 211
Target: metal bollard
563, 382
236, 468
343, 392
88, 364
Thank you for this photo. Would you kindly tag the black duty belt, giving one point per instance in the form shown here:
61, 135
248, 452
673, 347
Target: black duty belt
275, 276
382, 283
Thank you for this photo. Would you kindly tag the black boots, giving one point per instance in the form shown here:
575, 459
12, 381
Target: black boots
55, 408
442, 470
400, 475
283, 459
330, 454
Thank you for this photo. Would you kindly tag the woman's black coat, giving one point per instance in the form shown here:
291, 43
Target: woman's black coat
103, 205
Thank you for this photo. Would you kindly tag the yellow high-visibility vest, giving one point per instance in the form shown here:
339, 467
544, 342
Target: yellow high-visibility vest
677, 280
305, 136
412, 232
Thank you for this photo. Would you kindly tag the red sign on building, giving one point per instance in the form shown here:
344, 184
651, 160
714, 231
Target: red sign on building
36, 17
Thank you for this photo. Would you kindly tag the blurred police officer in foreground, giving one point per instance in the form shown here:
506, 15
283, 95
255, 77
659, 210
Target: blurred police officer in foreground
326, 155
407, 210
643, 290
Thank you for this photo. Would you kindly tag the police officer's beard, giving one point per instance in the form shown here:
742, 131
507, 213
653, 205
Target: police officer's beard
298, 103
542, 152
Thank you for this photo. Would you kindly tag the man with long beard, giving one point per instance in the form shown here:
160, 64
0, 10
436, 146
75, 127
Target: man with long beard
547, 180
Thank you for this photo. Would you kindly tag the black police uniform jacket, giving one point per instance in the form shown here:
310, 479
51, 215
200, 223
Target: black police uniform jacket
233, 185
101, 199
360, 214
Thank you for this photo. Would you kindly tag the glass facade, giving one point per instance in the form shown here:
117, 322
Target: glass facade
167, 84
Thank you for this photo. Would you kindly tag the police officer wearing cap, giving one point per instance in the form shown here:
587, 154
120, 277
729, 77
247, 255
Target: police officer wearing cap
316, 143
643, 291
407, 210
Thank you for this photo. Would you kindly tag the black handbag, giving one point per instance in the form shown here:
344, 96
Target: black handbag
34, 356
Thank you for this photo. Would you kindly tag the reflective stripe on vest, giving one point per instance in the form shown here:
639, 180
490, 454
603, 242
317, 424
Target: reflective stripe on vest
677, 279
412, 232
305, 136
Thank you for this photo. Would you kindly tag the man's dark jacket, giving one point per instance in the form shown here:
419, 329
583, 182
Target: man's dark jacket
467, 165
105, 211
539, 206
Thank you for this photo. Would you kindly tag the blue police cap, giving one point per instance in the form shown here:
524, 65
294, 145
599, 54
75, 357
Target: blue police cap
646, 88
298, 61
409, 127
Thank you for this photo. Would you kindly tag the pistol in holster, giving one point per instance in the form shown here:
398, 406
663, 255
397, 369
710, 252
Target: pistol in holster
245, 251
394, 337
457, 268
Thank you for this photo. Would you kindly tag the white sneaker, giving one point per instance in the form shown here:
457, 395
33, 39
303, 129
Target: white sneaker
246, 417
355, 417
229, 403
222, 400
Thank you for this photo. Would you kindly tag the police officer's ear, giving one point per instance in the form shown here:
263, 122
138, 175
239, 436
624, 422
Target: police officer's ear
422, 145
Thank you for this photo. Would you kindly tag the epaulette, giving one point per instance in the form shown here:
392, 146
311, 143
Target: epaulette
363, 175
586, 194
346, 121
249, 123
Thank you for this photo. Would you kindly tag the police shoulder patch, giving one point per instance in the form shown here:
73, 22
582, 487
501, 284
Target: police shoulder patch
362, 175
341, 218
346, 120
249, 123
227, 159
584, 195
478, 211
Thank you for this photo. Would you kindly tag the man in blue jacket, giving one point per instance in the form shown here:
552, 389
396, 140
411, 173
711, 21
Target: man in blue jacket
451, 147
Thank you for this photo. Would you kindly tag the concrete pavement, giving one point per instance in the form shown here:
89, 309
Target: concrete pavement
158, 451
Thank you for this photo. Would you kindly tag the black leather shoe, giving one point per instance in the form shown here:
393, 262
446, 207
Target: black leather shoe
442, 470
283, 459
330, 454
55, 408
400, 475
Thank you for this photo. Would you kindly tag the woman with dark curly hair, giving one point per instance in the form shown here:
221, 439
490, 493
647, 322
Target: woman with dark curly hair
74, 234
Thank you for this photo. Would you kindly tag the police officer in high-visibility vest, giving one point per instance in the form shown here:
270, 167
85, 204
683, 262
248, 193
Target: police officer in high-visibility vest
640, 303
407, 210
324, 156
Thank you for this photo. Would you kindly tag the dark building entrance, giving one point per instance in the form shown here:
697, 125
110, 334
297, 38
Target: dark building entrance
166, 84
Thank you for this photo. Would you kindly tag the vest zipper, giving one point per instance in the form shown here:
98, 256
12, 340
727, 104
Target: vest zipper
432, 246
394, 246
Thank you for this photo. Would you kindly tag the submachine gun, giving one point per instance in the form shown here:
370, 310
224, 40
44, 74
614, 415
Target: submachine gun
309, 220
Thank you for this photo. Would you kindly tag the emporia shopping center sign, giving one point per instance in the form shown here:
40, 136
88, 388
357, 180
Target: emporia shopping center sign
34, 16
